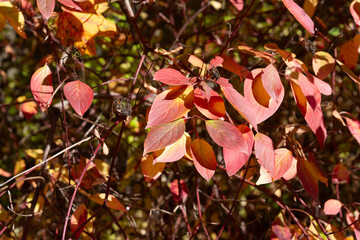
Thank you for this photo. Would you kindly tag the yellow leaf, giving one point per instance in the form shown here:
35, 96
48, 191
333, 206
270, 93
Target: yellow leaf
310, 7
14, 16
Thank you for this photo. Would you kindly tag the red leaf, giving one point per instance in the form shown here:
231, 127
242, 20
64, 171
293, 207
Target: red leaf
41, 86
262, 113
232, 66
174, 189
46, 7
213, 108
340, 174
70, 3
354, 127
170, 105
282, 232
313, 117
226, 135
332, 207
77, 219
355, 11
79, 95
234, 160
309, 176
238, 101
164, 135
149, 169
204, 154
272, 82
173, 152
171, 76
239, 4
300, 15
264, 152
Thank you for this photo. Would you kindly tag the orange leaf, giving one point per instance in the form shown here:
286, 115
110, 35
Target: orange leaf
267, 57
214, 108
112, 202
232, 66
349, 54
355, 11
29, 109
77, 219
41, 86
354, 128
149, 169
80, 96
259, 92
204, 154
283, 161
300, 15
170, 105
262, 113
323, 63
310, 7
332, 207
164, 135
348, 71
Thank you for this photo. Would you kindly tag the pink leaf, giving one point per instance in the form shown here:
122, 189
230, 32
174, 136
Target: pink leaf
322, 86
173, 152
283, 161
80, 96
226, 135
291, 172
171, 76
203, 171
262, 113
238, 101
354, 128
164, 135
46, 7
41, 86
311, 92
239, 4
272, 82
217, 61
265, 177
355, 11
170, 105
234, 160
353, 220
213, 108
300, 15
332, 207
264, 152
71, 4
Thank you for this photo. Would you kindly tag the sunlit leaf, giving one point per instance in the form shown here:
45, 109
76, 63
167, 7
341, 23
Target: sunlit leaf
355, 11
264, 152
267, 57
77, 219
149, 169
238, 101
79, 95
171, 77
292, 171
29, 109
352, 218
214, 108
41, 86
164, 135
272, 82
262, 113
300, 15
323, 63
238, 4
354, 127
9, 12
112, 202
332, 207
259, 92
46, 7
283, 161
310, 7
173, 152
170, 105
204, 154
226, 135
348, 71
349, 54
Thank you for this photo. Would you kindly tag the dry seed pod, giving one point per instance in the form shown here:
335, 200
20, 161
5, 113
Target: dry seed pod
121, 107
